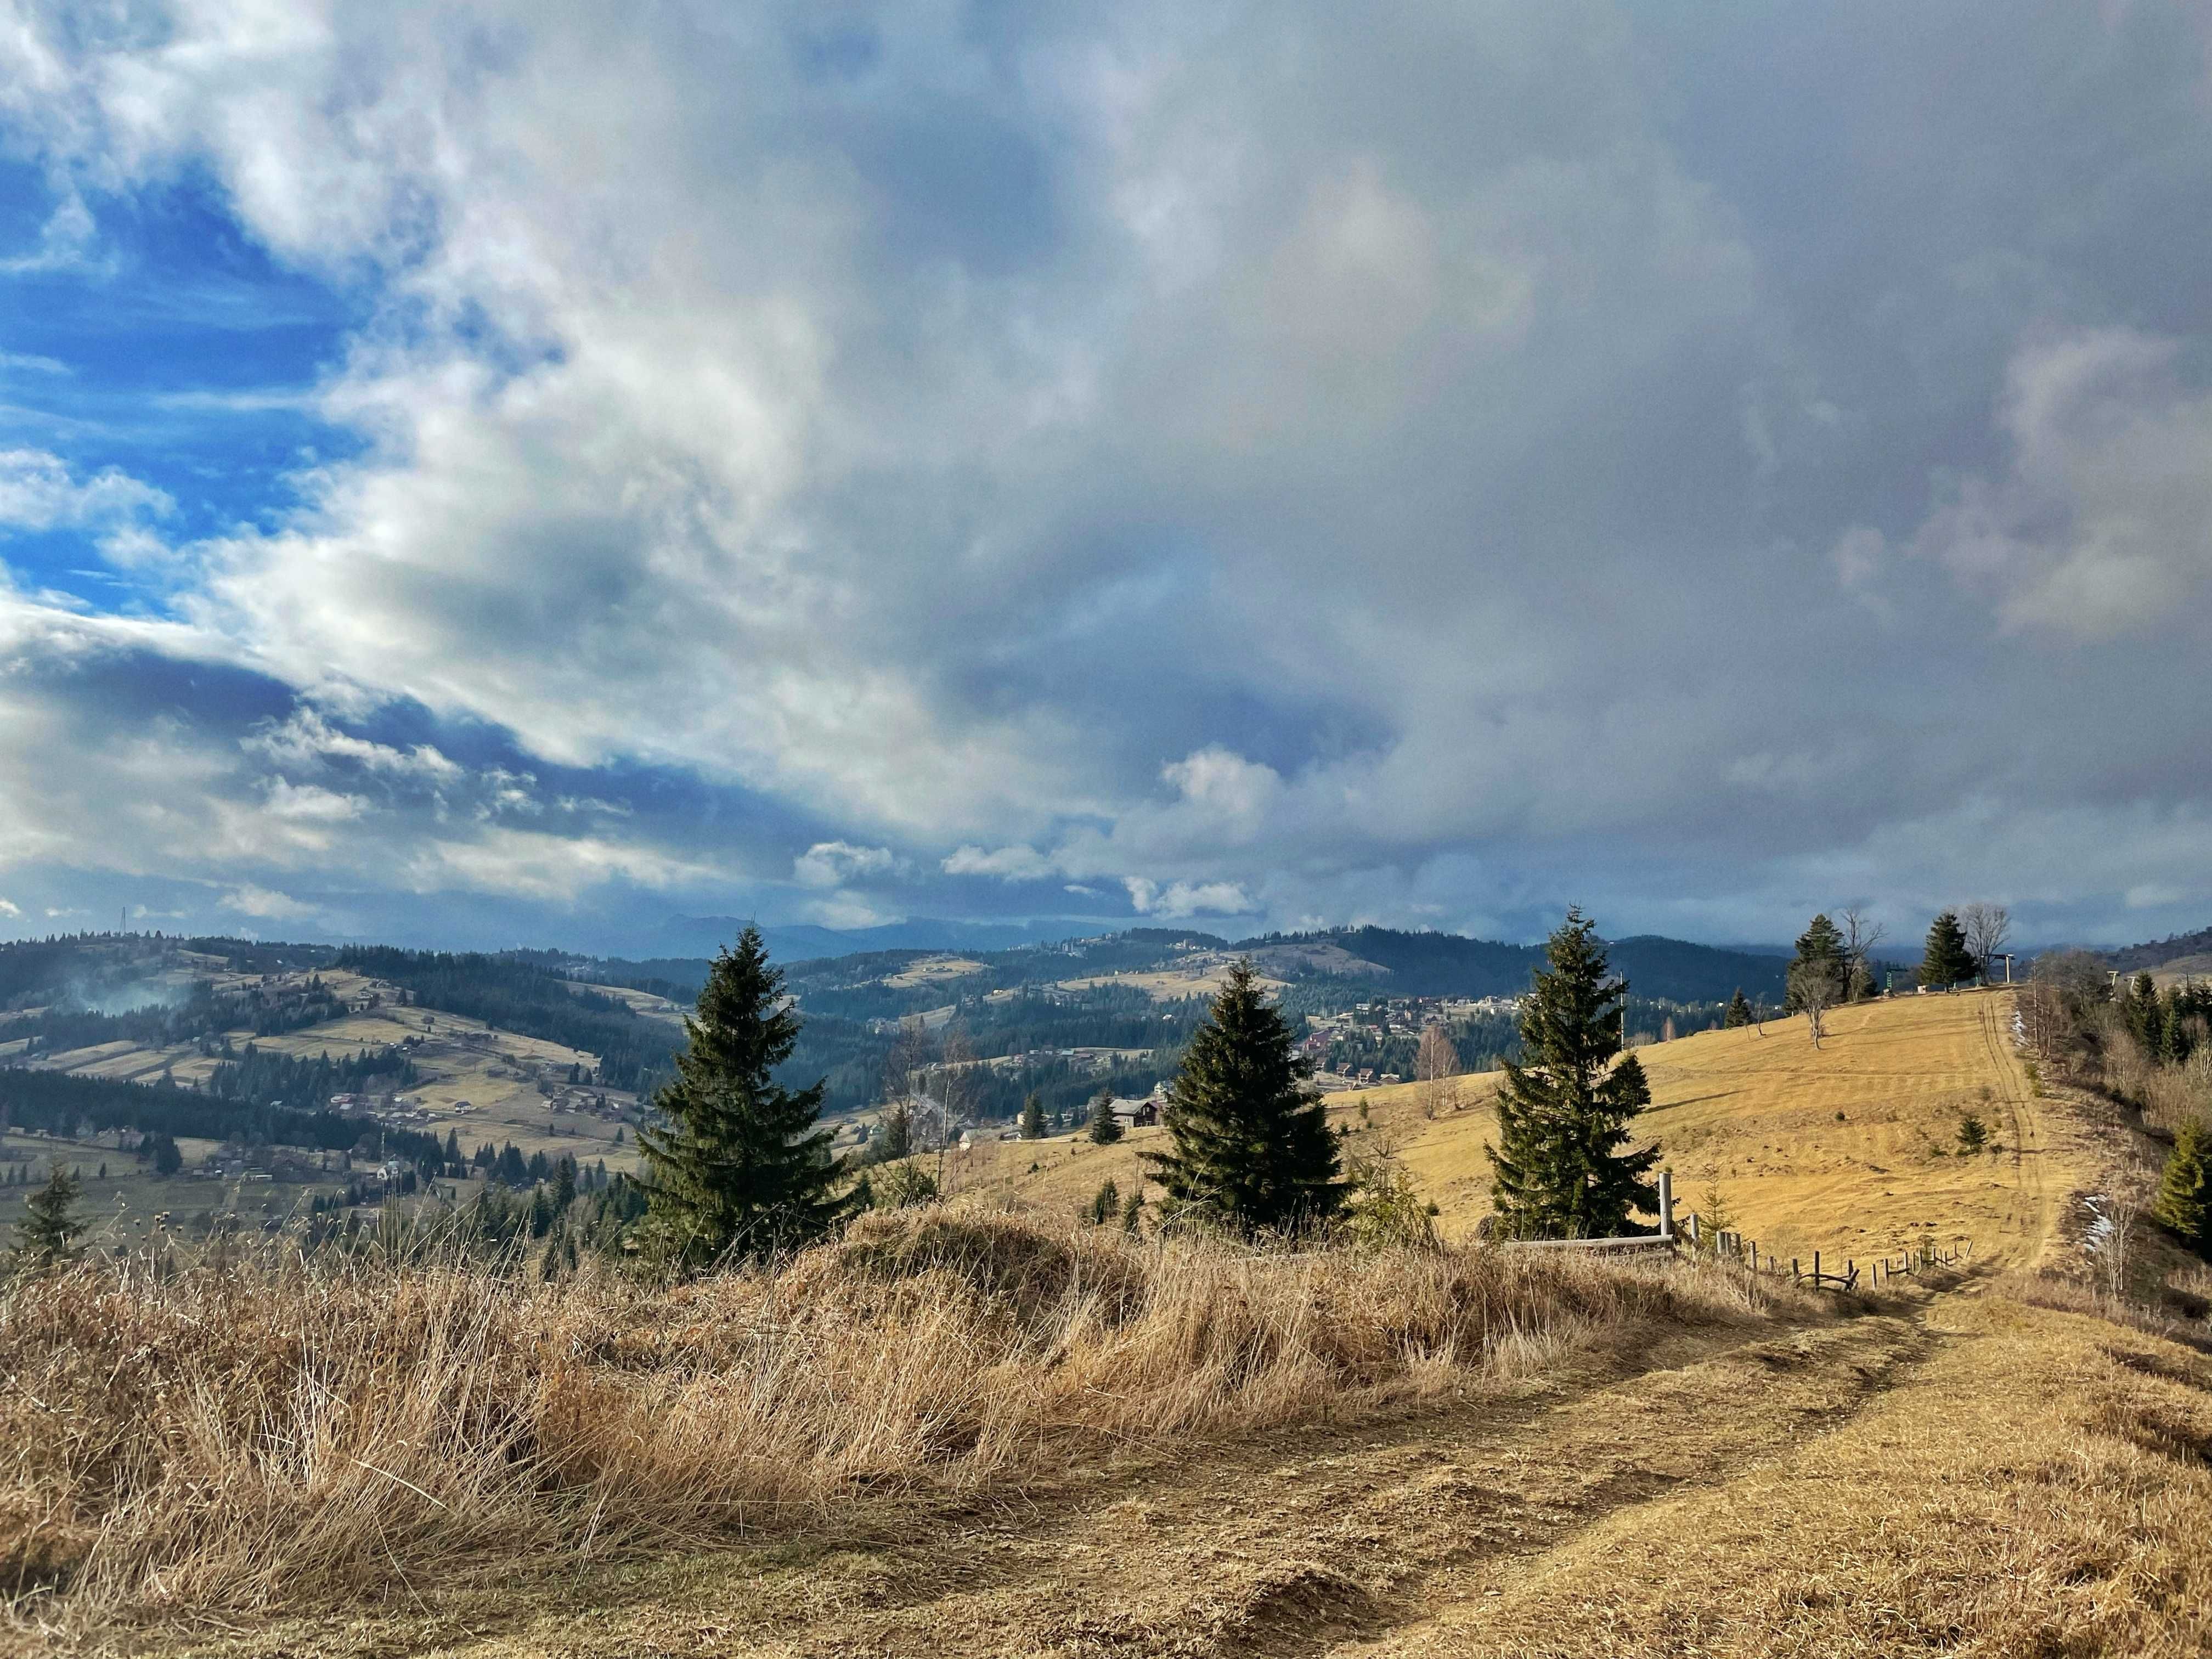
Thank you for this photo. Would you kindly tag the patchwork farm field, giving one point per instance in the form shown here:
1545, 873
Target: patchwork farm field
484, 1084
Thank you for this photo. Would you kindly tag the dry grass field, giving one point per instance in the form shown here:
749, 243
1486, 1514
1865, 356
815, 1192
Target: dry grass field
260, 1433
963, 1433
930, 971
1852, 1148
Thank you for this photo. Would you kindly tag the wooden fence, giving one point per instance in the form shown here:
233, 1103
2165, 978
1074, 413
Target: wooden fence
1820, 1276
1736, 1246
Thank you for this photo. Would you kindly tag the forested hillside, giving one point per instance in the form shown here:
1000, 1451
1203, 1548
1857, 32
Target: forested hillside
513, 993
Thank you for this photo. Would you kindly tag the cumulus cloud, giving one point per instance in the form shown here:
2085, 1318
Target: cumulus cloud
834, 863
2102, 524
306, 737
1180, 899
1015, 863
39, 492
267, 904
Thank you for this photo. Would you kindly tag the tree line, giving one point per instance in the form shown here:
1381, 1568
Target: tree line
743, 1166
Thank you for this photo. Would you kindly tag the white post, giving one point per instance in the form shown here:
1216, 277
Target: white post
1666, 1204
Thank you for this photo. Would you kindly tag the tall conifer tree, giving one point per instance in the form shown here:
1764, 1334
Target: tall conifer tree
1033, 1118
1739, 1011
49, 1225
743, 1167
1562, 1167
2185, 1192
1947, 961
1252, 1145
1821, 957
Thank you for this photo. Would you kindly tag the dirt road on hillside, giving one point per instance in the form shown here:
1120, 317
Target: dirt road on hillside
1818, 1482
1942, 1470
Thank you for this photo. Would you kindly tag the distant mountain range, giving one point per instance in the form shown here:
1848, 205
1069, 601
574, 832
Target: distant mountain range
1411, 963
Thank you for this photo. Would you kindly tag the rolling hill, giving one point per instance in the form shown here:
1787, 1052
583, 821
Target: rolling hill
1850, 1149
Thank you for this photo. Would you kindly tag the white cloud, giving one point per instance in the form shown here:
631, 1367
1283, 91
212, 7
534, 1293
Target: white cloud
305, 737
1015, 863
2103, 524
268, 904
1181, 899
833, 863
67, 241
843, 910
308, 803
9, 910
38, 491
525, 864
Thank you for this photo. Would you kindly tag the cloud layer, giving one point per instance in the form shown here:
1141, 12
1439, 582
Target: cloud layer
1281, 464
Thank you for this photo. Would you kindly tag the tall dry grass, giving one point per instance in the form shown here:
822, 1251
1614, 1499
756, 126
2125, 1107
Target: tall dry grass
283, 1430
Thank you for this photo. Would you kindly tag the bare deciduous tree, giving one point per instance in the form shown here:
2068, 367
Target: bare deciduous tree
1816, 986
1987, 928
1437, 1060
953, 1086
1862, 932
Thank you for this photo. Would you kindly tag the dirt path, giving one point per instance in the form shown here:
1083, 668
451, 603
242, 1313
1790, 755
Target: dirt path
2027, 1139
1310, 1541
1945, 1471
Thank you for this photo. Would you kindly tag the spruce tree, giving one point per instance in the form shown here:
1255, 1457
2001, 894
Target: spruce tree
1105, 1203
1105, 1128
1252, 1145
49, 1225
1033, 1118
2144, 1016
1820, 953
1947, 961
743, 1167
1562, 1169
895, 1141
2185, 1192
1739, 1011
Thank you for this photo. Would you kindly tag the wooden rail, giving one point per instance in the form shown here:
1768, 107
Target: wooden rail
1733, 1246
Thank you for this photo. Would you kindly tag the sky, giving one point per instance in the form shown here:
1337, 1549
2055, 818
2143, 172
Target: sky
526, 472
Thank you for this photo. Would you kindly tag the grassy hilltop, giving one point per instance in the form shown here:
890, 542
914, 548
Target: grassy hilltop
1850, 1148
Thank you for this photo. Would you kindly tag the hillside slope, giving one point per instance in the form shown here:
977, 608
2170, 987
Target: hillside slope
1852, 1148
1942, 1467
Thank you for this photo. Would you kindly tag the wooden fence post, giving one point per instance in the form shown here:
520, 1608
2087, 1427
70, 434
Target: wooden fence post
1666, 1204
